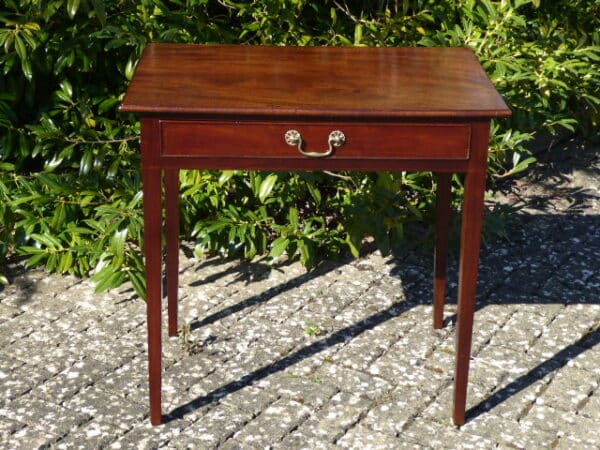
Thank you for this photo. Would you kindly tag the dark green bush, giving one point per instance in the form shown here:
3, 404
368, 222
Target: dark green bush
69, 166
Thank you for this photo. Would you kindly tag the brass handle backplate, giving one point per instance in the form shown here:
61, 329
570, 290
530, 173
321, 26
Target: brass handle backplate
336, 139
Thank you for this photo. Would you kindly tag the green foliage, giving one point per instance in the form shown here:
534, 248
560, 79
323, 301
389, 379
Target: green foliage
69, 164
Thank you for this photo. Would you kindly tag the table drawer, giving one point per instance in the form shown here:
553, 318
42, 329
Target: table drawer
220, 139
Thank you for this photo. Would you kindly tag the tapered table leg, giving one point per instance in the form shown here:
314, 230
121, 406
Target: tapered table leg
442, 227
470, 240
153, 253
172, 207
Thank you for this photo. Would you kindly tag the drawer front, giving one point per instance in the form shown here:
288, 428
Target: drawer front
212, 139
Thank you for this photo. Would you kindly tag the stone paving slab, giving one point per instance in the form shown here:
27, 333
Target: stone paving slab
343, 357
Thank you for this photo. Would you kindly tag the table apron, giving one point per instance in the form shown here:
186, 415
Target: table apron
250, 139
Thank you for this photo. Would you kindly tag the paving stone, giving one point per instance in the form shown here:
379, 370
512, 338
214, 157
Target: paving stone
420, 341
70, 381
28, 438
583, 429
513, 398
11, 384
129, 381
590, 407
28, 347
91, 435
574, 442
411, 375
446, 436
250, 399
508, 432
520, 331
326, 426
144, 436
486, 375
578, 272
21, 380
587, 359
569, 388
489, 318
190, 370
439, 408
116, 353
273, 424
46, 416
52, 307
549, 419
353, 381
257, 358
363, 437
131, 316
363, 350
568, 329
218, 384
307, 391
19, 327
393, 411
107, 408
7, 312
512, 361
54, 359
234, 444
184, 442
214, 427
8, 427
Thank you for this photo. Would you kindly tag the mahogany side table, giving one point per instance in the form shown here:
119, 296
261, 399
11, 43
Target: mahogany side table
313, 108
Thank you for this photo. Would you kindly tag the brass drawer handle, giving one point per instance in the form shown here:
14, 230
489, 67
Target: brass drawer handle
336, 139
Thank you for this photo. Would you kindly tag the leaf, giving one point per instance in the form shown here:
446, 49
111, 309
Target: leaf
20, 48
279, 246
109, 278
314, 192
353, 241
226, 175
72, 7
86, 162
100, 11
307, 252
65, 263
59, 216
521, 166
26, 68
294, 219
344, 40
266, 187
67, 88
117, 245
130, 67
138, 280
49, 241
358, 34
37, 259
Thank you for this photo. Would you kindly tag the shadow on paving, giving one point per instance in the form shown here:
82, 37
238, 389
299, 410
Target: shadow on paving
246, 274
543, 240
335, 338
558, 361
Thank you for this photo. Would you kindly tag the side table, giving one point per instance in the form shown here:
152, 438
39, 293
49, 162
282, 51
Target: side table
313, 108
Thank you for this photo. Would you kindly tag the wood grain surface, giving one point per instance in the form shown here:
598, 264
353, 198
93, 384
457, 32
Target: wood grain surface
335, 82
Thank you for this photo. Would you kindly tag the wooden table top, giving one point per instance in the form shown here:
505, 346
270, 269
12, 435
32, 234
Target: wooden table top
325, 82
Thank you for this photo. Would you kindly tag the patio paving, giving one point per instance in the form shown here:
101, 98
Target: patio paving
342, 357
